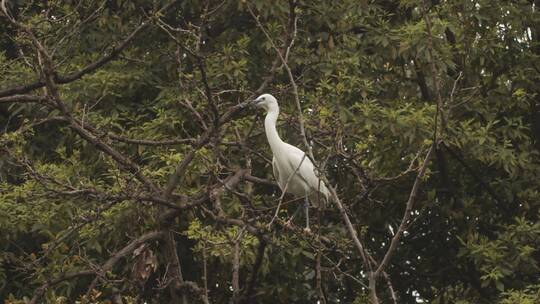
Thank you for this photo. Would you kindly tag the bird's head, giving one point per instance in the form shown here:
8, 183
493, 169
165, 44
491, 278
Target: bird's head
266, 101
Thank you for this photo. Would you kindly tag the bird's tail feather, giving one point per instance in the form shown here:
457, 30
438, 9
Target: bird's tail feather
323, 195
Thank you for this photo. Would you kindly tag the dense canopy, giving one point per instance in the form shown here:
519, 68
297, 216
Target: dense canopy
131, 170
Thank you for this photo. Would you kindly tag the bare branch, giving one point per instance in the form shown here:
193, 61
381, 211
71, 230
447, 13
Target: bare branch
148, 142
205, 276
64, 277
248, 297
406, 213
335, 198
236, 267
318, 277
23, 99
440, 102
90, 67
107, 266
176, 178
259, 180
47, 68
126, 163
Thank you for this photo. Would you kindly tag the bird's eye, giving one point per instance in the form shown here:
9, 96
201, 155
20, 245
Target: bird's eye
264, 98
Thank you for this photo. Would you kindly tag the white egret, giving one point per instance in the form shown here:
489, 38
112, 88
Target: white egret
293, 170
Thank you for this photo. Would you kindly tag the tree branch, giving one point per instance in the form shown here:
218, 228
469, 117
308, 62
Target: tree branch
335, 198
406, 214
255, 270
90, 67
23, 99
107, 266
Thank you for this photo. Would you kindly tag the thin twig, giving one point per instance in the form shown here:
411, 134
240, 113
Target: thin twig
406, 213
440, 103
90, 67
107, 266
284, 190
350, 227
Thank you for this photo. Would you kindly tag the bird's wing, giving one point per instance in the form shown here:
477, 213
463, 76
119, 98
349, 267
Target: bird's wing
306, 171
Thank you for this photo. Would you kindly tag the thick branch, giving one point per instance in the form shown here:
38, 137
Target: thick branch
23, 98
236, 267
262, 181
255, 271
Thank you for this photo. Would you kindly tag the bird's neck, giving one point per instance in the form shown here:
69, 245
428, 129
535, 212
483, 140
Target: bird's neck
270, 128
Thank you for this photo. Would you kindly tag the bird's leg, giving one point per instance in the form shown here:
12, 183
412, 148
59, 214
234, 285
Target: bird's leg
306, 207
289, 221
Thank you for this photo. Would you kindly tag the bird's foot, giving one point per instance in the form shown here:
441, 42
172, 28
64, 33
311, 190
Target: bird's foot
307, 230
288, 224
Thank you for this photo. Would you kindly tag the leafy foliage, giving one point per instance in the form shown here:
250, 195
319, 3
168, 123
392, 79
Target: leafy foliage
149, 97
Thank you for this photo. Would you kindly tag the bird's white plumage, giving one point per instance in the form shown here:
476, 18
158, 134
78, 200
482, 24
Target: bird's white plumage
288, 159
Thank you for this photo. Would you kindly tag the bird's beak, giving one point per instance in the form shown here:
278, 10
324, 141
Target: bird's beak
249, 104
254, 103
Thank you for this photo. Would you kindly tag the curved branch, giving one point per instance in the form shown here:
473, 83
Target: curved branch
90, 67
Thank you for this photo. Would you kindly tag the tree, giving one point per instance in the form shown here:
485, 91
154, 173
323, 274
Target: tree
132, 171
